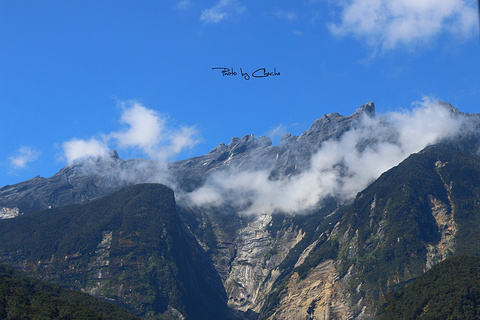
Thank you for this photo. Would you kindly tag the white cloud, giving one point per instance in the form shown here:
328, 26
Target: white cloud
23, 156
76, 149
387, 24
145, 130
340, 168
186, 137
222, 10
150, 132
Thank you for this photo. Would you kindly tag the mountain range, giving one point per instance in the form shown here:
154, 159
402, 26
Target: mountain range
331, 224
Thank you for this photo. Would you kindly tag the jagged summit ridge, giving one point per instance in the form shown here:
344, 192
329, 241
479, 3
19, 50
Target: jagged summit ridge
249, 153
318, 127
334, 125
92, 178
238, 145
85, 180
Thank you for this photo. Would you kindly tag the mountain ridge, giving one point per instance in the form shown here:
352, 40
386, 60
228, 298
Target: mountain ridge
341, 255
88, 179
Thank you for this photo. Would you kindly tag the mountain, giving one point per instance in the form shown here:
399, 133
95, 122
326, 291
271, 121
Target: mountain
84, 181
129, 248
311, 228
77, 183
450, 290
27, 298
412, 217
248, 153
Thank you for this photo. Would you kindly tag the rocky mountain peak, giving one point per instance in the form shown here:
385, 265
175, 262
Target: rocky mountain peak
238, 145
367, 109
114, 154
333, 125
241, 145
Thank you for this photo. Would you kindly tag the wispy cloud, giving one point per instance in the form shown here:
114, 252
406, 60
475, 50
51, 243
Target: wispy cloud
277, 133
222, 10
285, 15
297, 33
23, 156
144, 129
387, 24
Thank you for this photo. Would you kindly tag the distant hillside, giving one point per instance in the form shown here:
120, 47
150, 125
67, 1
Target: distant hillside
129, 247
25, 298
450, 290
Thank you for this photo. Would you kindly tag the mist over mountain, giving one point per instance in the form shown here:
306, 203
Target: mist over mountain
336, 157
324, 225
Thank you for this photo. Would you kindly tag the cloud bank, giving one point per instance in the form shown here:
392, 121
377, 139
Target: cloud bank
145, 130
340, 168
388, 24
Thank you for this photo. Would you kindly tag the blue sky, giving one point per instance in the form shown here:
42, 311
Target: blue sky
79, 78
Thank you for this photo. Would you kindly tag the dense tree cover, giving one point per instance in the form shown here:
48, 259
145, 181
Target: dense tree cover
130, 247
390, 224
24, 298
450, 290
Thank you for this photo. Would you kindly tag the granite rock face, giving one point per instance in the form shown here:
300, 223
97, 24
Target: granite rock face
291, 157
257, 256
318, 296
